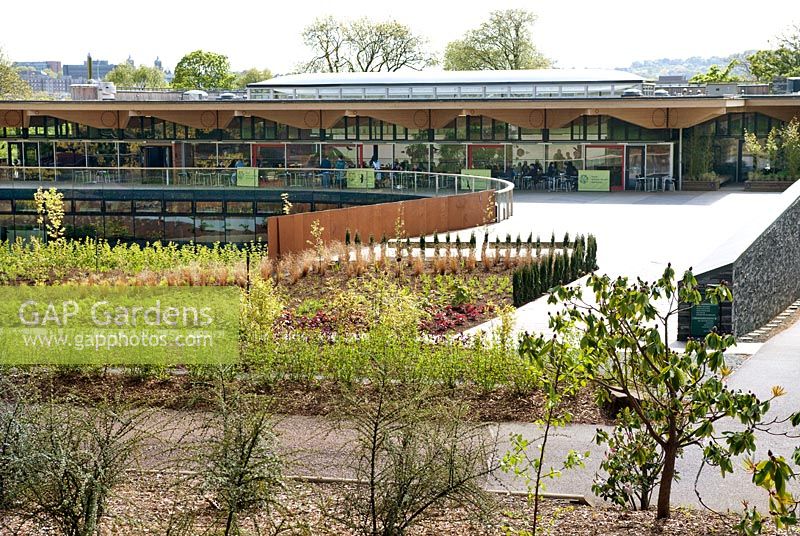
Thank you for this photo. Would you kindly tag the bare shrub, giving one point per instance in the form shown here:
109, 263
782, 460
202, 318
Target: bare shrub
78, 456
415, 452
240, 470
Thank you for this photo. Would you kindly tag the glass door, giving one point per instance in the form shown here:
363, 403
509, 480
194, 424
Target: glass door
609, 158
634, 165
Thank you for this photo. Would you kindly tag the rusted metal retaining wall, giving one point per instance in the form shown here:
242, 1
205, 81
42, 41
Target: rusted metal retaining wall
292, 233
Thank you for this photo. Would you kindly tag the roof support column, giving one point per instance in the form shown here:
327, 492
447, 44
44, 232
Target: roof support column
680, 158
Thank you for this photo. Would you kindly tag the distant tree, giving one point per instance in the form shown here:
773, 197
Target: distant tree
142, 77
203, 70
505, 41
12, 86
363, 46
251, 76
764, 65
717, 75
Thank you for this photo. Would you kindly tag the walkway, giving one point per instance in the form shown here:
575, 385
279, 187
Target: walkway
318, 451
637, 233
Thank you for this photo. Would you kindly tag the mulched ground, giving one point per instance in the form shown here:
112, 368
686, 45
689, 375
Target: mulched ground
181, 392
159, 504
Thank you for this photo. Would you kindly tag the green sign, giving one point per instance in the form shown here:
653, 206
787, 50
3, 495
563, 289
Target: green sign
705, 317
247, 176
480, 184
594, 180
361, 178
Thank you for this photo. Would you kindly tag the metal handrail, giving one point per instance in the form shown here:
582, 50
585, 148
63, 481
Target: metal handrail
423, 183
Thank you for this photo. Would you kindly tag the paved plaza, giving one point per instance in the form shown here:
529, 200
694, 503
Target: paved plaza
638, 233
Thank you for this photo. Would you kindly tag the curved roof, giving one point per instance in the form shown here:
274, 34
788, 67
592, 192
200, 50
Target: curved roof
406, 78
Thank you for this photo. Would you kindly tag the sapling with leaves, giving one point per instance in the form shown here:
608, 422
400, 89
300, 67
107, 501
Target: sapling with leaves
560, 373
677, 397
318, 244
632, 465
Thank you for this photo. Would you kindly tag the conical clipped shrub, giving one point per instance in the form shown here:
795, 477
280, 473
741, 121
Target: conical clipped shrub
569, 274
552, 269
530, 282
422, 246
578, 257
565, 242
347, 237
591, 253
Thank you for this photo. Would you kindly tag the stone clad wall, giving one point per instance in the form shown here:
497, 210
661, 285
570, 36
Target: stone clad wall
762, 270
766, 277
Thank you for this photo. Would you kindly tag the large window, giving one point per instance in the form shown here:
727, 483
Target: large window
659, 159
414, 156
448, 158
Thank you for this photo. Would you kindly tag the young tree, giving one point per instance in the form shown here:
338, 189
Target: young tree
784, 60
363, 46
677, 397
717, 75
141, 77
251, 76
560, 373
203, 70
12, 86
505, 41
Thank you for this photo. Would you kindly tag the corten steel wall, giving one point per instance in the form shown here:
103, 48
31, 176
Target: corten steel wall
291, 233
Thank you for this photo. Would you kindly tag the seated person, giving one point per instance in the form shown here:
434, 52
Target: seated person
552, 170
571, 170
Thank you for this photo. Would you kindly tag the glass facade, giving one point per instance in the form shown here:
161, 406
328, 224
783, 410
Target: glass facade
157, 153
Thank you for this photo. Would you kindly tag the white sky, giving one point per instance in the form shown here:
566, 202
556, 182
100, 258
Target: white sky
576, 33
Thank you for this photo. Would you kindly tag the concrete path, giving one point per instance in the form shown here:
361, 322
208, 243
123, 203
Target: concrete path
638, 233
315, 449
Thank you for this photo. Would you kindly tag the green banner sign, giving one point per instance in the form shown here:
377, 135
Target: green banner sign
594, 180
361, 178
247, 176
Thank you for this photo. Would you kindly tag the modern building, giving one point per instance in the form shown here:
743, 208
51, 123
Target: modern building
148, 170
44, 82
